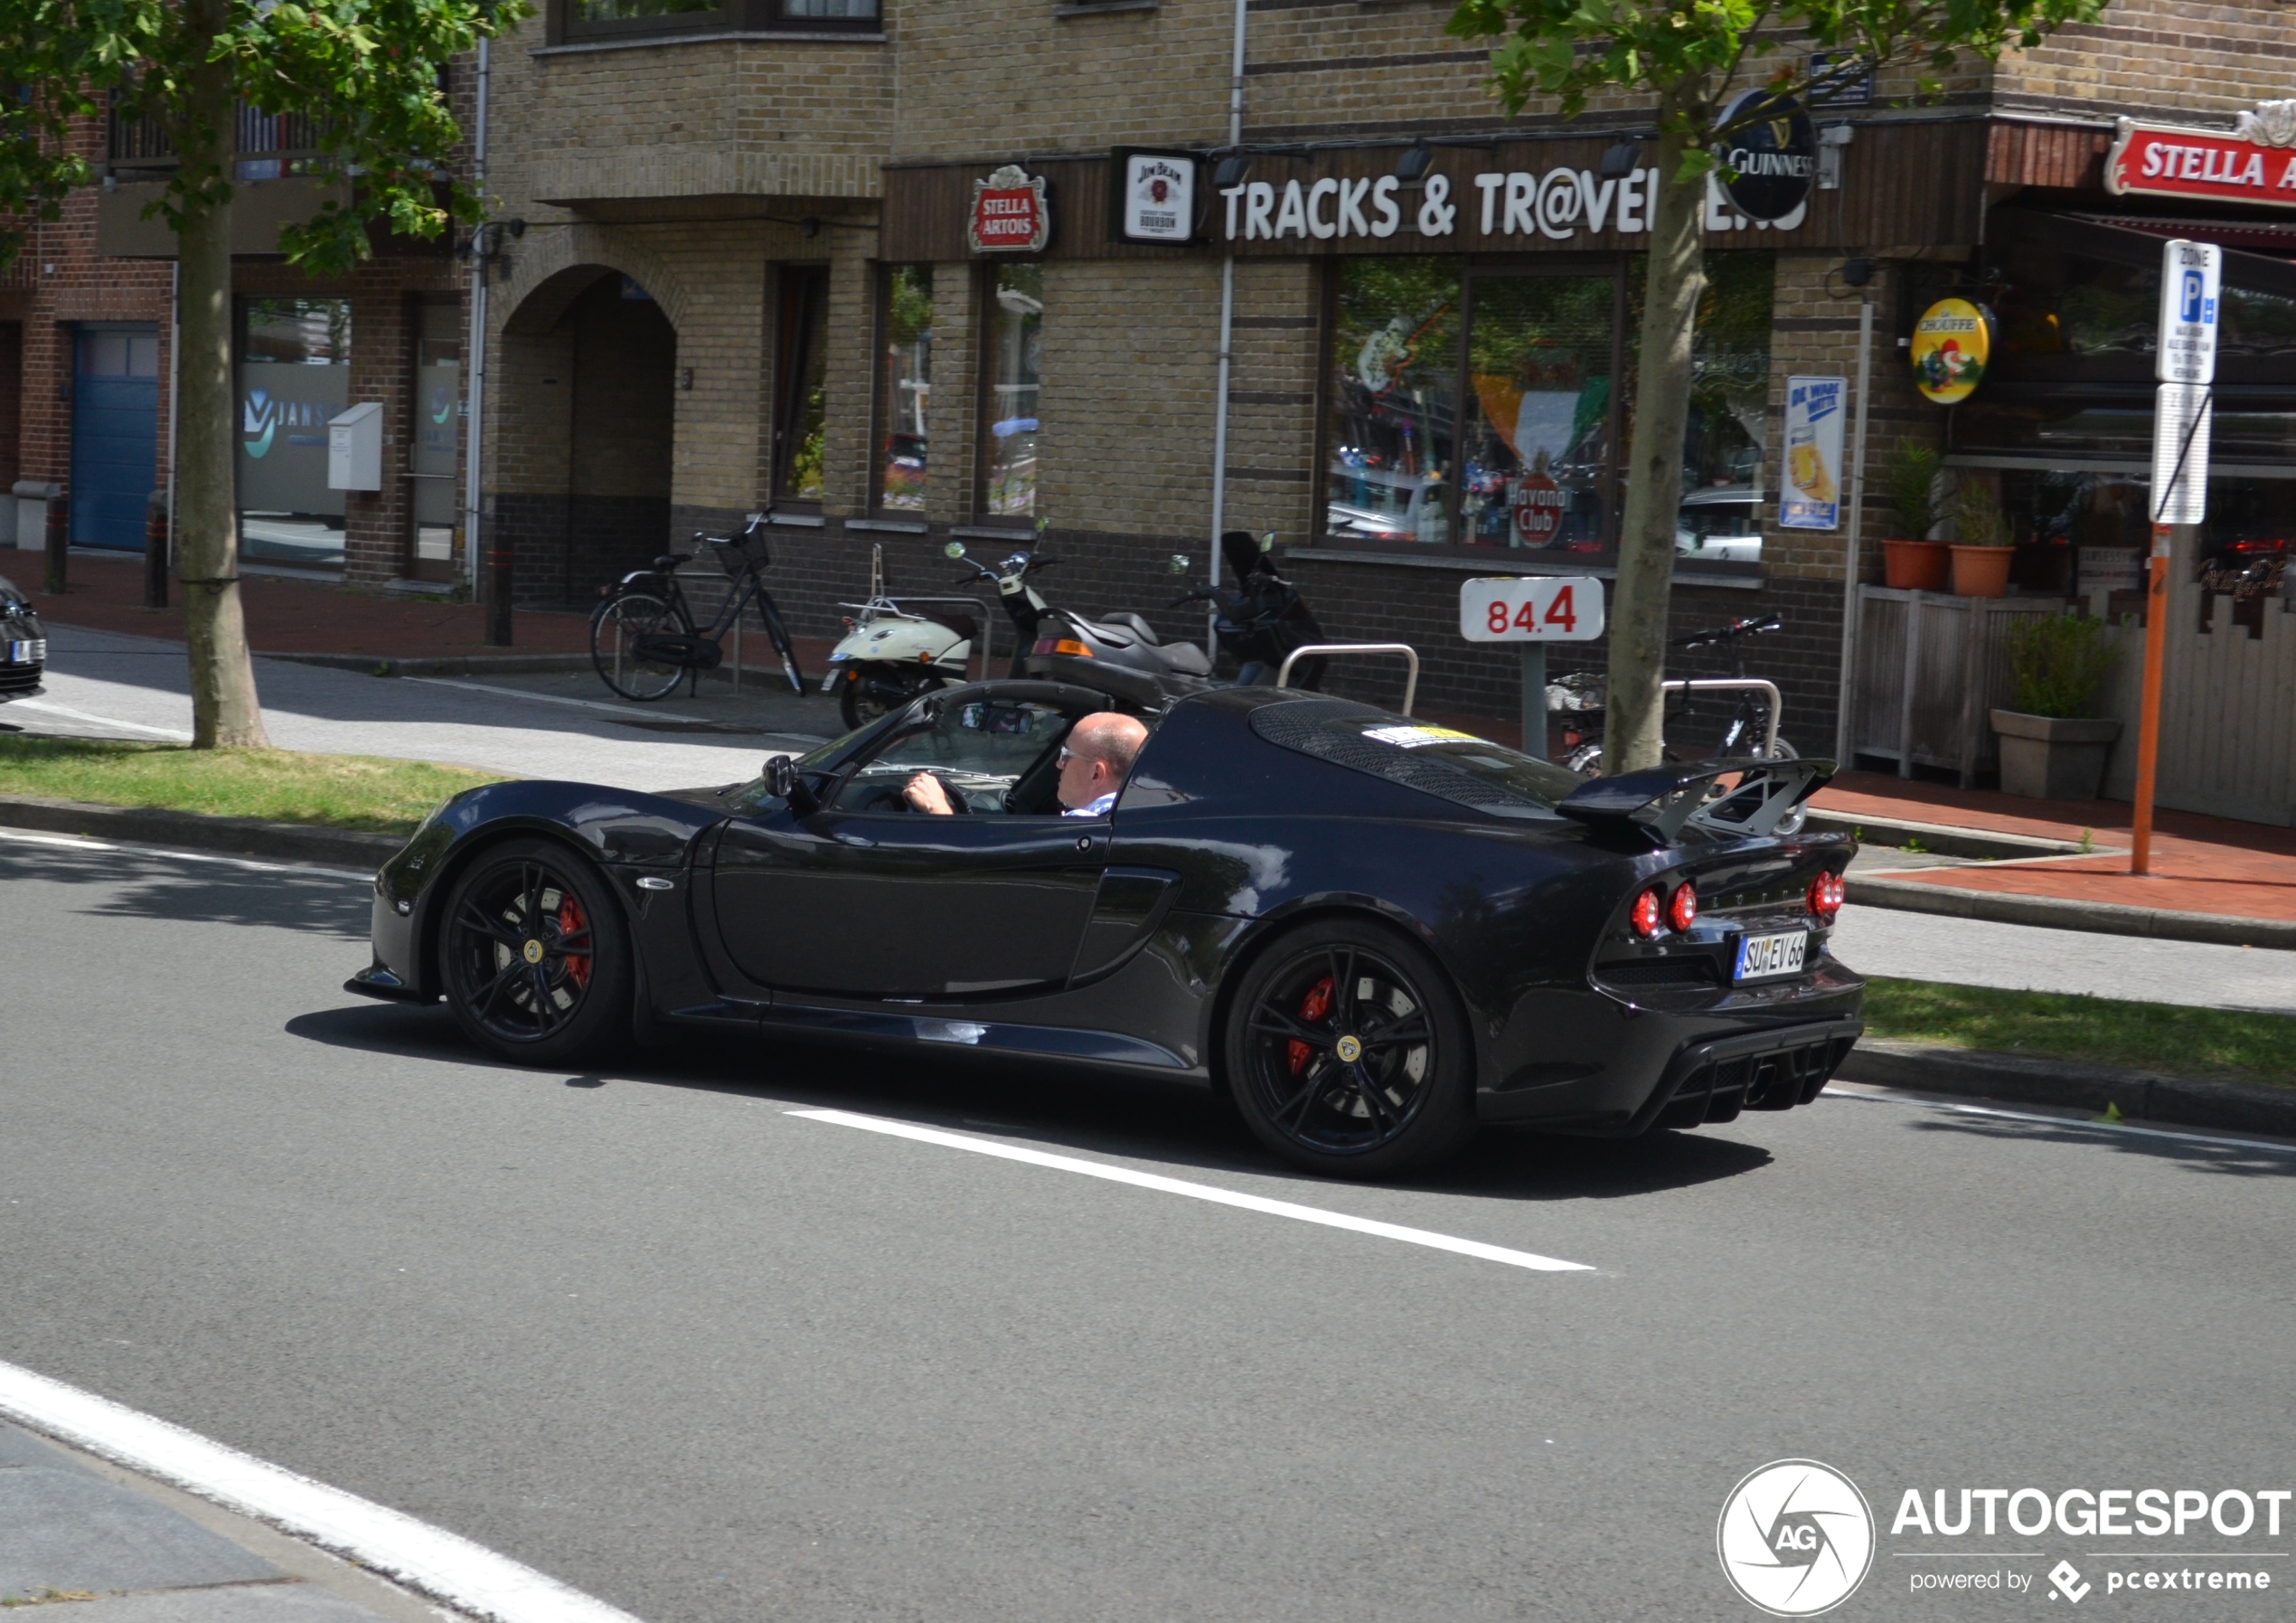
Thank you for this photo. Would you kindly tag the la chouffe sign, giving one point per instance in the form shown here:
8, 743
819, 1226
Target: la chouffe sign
1009, 214
2253, 163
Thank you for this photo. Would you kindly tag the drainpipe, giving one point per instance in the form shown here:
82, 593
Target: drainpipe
474, 392
1227, 342
1845, 738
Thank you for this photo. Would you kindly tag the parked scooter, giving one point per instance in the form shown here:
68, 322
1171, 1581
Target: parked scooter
889, 654
1128, 659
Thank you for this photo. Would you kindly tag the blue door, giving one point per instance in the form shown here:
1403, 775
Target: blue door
115, 434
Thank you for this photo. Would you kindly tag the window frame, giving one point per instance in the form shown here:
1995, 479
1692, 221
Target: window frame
730, 16
801, 285
882, 406
1482, 268
984, 388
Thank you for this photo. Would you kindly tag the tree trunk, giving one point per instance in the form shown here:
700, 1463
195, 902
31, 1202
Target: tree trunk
224, 712
1634, 731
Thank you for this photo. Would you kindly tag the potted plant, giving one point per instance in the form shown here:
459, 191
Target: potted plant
1982, 554
2053, 747
1912, 561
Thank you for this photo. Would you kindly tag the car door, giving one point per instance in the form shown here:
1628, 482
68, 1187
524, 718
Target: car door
864, 899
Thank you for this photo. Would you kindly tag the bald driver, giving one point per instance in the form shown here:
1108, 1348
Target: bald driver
1093, 762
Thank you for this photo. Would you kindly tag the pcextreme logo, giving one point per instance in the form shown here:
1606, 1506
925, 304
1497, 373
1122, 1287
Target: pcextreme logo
1796, 1538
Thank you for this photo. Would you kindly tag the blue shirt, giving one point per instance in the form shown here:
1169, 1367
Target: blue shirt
1095, 809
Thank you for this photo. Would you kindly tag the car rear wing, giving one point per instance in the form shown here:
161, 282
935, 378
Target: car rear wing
1664, 800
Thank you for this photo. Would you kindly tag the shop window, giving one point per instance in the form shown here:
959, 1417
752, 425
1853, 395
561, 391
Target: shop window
436, 440
1012, 351
904, 385
295, 378
1395, 401
799, 417
1488, 407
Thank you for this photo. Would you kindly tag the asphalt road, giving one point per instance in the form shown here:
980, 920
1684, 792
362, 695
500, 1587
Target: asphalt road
652, 1333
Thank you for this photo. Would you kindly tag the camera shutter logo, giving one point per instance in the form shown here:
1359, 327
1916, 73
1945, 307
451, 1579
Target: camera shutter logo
1796, 1538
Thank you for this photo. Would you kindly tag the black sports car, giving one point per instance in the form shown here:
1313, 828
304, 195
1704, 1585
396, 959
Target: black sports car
1371, 932
23, 645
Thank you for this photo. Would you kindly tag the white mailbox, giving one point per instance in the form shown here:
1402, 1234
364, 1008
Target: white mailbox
354, 448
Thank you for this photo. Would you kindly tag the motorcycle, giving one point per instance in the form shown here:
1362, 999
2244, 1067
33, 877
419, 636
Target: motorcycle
1262, 620
889, 654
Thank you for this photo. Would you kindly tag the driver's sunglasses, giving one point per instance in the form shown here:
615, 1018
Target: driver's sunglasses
1060, 761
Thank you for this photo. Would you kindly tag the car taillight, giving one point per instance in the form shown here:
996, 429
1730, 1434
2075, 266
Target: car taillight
1648, 917
1826, 894
1684, 911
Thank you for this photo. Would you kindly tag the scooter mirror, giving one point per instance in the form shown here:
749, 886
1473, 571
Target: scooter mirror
1180, 565
955, 548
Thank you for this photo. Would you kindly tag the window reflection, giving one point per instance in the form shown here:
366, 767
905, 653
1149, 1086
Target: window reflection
1015, 352
1395, 401
1537, 443
905, 384
295, 378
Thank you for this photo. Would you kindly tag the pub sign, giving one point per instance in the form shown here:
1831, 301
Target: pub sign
1009, 214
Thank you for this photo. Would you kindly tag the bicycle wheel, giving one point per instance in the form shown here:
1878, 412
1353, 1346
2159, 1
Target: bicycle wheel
615, 633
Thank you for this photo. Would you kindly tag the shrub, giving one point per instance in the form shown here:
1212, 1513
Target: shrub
2056, 663
1910, 488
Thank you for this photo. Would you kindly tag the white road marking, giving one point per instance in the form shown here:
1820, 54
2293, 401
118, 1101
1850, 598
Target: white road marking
456, 1570
73, 842
2131, 1128
1202, 1192
69, 713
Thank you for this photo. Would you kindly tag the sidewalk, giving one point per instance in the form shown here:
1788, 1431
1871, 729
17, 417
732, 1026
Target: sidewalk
2233, 882
292, 618
125, 1549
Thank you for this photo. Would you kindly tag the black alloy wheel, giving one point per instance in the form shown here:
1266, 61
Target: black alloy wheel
536, 960
1347, 1051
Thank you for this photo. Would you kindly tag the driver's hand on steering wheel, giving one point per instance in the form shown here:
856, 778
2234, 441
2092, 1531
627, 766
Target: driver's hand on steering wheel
927, 793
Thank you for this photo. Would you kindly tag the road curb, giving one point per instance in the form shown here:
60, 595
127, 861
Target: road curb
242, 836
1949, 839
2022, 1078
453, 664
2052, 913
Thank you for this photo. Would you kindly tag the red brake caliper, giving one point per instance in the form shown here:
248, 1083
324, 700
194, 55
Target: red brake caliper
570, 921
1316, 1006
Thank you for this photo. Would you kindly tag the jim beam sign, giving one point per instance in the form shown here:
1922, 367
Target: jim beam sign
2255, 161
1009, 214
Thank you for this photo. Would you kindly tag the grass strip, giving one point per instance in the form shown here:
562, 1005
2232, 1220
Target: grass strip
363, 792
2223, 1043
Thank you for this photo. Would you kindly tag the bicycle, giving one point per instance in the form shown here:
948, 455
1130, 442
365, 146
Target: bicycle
1583, 699
643, 637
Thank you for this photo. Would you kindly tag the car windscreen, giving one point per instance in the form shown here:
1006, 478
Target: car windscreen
1441, 761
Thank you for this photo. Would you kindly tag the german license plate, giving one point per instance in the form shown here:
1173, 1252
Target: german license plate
27, 653
1761, 956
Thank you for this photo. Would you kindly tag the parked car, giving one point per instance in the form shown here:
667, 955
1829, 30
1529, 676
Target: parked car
1720, 523
1372, 934
23, 645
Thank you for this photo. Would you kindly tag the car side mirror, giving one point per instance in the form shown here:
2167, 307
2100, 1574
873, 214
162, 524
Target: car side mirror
783, 782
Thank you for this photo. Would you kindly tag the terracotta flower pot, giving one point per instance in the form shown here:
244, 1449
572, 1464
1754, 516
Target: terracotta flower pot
1915, 565
1980, 571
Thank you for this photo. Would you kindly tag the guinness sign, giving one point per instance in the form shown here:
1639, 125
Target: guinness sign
1774, 159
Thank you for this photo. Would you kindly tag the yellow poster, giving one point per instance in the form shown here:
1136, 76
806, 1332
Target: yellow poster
1952, 341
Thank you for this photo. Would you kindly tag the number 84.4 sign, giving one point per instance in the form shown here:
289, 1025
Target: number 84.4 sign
1540, 608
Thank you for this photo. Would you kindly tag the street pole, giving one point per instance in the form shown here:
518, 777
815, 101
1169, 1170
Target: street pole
1846, 688
2156, 635
1227, 342
2191, 275
1534, 655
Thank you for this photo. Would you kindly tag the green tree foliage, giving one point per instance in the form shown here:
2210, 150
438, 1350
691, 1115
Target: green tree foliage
1696, 60
364, 76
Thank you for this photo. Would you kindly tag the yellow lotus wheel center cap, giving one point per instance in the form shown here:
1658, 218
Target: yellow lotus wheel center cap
1349, 1049
531, 952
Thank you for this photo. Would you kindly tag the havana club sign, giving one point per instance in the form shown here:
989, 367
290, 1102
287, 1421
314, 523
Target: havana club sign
2252, 162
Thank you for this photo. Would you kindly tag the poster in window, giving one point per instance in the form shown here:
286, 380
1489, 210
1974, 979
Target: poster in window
1812, 499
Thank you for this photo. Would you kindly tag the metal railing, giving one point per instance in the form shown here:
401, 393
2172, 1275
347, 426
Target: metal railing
1319, 650
140, 140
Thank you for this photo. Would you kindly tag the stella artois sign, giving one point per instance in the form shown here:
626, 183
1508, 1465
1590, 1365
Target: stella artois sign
2255, 161
1008, 215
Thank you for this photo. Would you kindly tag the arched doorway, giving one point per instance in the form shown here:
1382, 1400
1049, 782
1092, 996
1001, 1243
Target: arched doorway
587, 420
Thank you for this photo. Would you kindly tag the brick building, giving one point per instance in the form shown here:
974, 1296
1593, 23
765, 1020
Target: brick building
745, 274
87, 360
